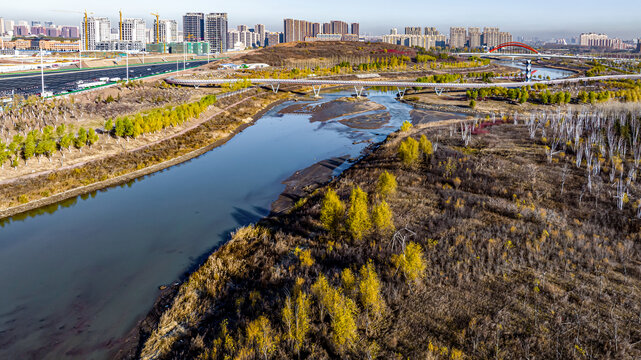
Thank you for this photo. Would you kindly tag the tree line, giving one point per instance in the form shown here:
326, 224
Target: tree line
133, 126
44, 142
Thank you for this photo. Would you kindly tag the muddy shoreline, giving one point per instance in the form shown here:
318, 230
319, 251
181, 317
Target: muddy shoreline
298, 186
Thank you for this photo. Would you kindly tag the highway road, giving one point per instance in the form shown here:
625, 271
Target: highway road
63, 81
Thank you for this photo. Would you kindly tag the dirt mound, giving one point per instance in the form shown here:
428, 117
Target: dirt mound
290, 53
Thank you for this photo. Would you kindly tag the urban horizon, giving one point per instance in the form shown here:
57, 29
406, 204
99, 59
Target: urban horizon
545, 21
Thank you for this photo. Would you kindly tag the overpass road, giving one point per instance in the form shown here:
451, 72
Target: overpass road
359, 85
59, 82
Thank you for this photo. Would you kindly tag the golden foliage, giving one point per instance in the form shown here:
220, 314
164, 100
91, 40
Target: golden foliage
408, 151
358, 219
386, 184
261, 335
304, 256
406, 126
370, 291
411, 262
332, 210
382, 217
296, 318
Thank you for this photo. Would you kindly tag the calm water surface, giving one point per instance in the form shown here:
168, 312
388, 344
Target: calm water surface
76, 278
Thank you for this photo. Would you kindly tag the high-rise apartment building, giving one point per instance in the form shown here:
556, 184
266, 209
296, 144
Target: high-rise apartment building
316, 29
70, 32
240, 40
133, 30
272, 38
424, 41
98, 29
504, 37
260, 30
491, 37
356, 29
474, 38
458, 37
2, 28
8, 26
288, 28
216, 31
600, 40
20, 30
297, 30
194, 27
413, 30
327, 28
242, 28
431, 31
165, 31
393, 31
339, 27
52, 32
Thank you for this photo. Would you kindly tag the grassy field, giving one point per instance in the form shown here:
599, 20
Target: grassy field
498, 251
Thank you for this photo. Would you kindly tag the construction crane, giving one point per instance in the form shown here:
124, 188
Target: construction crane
157, 27
86, 13
158, 30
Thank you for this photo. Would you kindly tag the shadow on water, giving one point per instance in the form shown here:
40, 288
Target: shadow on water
113, 251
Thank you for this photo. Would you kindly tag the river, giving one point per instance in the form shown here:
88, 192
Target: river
77, 276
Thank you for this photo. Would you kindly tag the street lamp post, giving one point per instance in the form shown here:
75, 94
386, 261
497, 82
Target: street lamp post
127, 66
42, 75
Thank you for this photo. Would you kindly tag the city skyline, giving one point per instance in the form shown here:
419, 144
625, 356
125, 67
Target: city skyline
545, 19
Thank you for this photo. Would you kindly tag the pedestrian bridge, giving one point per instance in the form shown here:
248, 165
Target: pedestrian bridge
401, 86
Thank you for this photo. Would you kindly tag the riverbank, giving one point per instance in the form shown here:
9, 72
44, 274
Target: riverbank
482, 221
187, 144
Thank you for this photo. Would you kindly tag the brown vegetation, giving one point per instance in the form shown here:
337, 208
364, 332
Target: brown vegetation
492, 259
292, 53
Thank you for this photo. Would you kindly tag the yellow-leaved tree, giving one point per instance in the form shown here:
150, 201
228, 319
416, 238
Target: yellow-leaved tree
426, 147
358, 219
411, 262
370, 291
332, 211
408, 151
261, 335
382, 218
296, 319
386, 184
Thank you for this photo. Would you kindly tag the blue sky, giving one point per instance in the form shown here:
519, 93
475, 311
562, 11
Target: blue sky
543, 18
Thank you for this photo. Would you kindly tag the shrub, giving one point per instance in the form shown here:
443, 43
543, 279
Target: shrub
348, 280
408, 151
304, 256
411, 262
370, 291
386, 184
261, 334
332, 211
472, 104
382, 217
406, 126
296, 318
425, 146
358, 220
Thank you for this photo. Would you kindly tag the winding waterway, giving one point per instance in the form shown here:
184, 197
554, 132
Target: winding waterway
78, 275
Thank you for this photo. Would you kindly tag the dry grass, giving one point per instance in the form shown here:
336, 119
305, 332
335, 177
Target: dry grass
516, 269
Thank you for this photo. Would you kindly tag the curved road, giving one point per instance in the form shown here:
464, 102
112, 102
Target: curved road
398, 84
